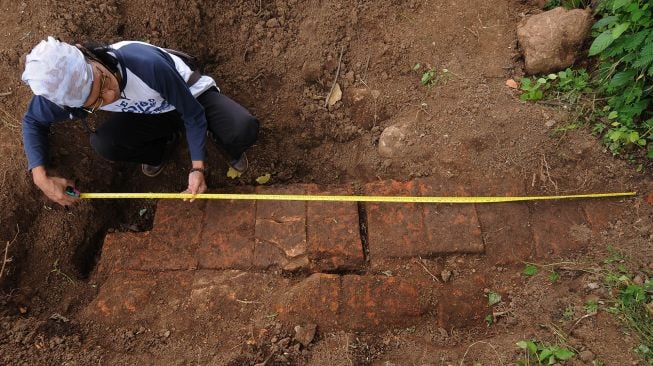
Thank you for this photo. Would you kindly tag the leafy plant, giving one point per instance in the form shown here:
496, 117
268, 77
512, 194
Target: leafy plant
624, 45
567, 4
431, 76
493, 298
569, 313
631, 305
533, 89
571, 84
543, 354
591, 307
530, 270
554, 276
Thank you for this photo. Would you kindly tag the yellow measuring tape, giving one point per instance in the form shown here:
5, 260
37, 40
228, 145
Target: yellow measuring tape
300, 197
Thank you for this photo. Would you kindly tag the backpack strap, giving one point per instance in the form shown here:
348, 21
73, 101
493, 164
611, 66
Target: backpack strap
190, 61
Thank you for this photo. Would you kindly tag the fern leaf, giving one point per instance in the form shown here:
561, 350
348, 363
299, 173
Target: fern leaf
632, 41
621, 78
645, 57
601, 43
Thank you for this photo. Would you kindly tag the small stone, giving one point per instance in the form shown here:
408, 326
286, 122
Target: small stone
274, 340
593, 286
311, 71
446, 275
550, 123
283, 344
305, 335
272, 23
443, 332
512, 84
587, 356
638, 280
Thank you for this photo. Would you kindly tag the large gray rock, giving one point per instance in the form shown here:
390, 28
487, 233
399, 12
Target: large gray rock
551, 40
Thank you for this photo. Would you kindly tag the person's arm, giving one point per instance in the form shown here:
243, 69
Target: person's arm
40, 114
157, 69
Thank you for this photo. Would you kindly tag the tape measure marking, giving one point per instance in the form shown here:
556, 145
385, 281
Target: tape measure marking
299, 197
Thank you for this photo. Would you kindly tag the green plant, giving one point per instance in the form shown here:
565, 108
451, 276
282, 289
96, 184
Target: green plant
567, 4
569, 313
624, 45
542, 354
572, 84
632, 306
431, 76
530, 270
554, 276
591, 307
533, 89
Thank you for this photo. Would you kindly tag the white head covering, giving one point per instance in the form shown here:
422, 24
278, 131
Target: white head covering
59, 72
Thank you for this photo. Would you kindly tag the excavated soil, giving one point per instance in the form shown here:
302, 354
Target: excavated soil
279, 59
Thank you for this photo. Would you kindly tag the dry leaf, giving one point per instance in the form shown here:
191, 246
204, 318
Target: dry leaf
512, 84
335, 96
263, 179
233, 173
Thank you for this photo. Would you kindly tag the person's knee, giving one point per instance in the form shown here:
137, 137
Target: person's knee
104, 147
247, 129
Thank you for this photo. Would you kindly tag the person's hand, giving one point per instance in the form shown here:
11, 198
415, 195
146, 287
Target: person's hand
196, 184
53, 187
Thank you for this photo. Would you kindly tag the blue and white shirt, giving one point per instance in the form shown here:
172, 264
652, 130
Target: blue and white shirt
153, 81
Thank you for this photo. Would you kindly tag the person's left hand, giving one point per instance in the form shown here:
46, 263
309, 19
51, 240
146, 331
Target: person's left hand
196, 184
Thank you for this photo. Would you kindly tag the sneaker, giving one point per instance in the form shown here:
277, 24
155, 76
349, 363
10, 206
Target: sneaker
152, 170
241, 164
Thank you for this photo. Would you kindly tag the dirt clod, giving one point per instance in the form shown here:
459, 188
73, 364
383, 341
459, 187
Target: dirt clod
305, 334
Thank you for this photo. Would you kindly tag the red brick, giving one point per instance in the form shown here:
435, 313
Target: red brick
229, 295
553, 224
394, 229
225, 250
462, 304
280, 210
146, 252
135, 296
179, 220
280, 231
227, 239
506, 230
603, 211
380, 301
315, 299
333, 234
450, 228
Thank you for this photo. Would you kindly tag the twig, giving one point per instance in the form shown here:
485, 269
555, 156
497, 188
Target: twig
248, 302
347, 350
548, 174
9, 243
427, 270
472, 32
581, 318
462, 362
367, 64
326, 102
4, 94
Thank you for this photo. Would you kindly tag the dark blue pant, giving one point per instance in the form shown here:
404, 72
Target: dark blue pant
141, 138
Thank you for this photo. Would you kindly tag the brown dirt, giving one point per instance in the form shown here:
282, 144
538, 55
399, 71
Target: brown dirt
279, 58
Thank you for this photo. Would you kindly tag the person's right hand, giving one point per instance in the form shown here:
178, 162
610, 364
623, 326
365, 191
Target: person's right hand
53, 187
